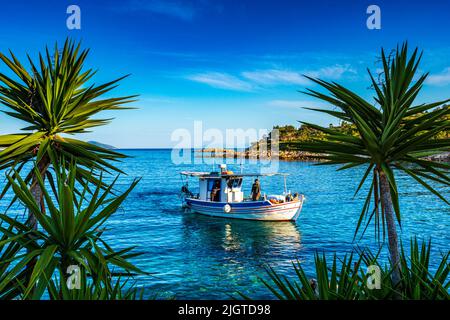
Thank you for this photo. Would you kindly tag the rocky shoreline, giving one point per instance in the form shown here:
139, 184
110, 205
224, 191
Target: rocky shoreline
288, 155
441, 157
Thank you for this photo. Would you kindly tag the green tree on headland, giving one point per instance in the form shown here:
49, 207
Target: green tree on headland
290, 136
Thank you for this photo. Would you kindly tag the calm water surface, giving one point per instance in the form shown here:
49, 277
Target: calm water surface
197, 257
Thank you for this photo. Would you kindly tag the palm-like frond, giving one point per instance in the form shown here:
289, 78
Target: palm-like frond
11, 279
71, 233
418, 279
339, 281
346, 279
119, 289
55, 99
393, 132
54, 96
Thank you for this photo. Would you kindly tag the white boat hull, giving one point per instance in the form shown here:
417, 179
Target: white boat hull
251, 210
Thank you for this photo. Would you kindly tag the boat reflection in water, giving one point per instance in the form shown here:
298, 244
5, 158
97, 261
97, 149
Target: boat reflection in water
232, 238
236, 252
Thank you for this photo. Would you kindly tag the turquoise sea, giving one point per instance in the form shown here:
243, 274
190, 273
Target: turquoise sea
198, 257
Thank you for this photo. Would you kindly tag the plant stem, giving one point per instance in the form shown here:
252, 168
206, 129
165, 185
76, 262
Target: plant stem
37, 193
38, 196
386, 200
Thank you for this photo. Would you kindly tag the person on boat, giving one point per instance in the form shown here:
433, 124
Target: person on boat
256, 190
215, 192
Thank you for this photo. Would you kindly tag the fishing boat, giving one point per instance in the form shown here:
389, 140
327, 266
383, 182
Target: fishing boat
220, 195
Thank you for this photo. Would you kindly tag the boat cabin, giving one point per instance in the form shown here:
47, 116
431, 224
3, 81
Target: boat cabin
221, 186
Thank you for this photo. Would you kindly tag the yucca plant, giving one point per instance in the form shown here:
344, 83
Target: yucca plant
393, 134
54, 97
88, 290
9, 252
70, 234
347, 279
342, 280
418, 281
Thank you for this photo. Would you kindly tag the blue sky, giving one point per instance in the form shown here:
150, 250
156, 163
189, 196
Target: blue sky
231, 64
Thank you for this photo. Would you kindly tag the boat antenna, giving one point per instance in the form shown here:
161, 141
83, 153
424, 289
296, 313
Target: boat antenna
285, 185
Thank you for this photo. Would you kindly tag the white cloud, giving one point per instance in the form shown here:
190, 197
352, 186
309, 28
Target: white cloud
221, 81
273, 76
334, 72
250, 80
276, 77
440, 79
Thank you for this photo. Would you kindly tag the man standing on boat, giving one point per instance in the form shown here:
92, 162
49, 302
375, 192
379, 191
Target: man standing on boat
215, 192
256, 190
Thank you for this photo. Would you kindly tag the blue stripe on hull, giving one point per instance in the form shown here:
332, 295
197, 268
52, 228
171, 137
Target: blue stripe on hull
244, 204
258, 210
